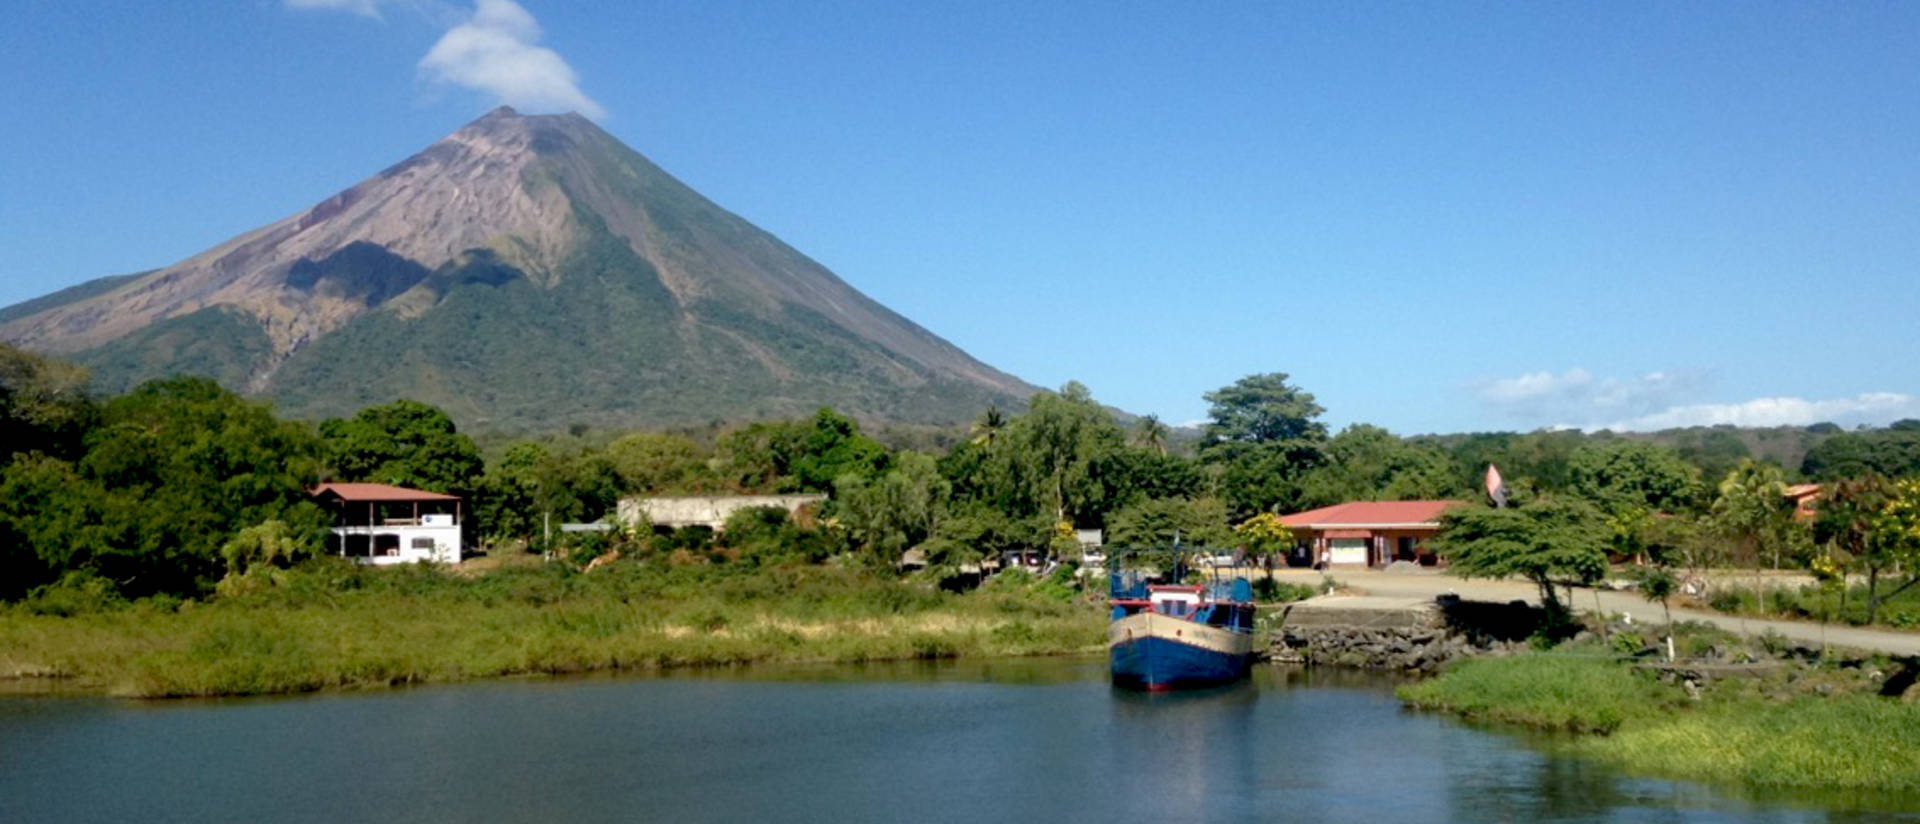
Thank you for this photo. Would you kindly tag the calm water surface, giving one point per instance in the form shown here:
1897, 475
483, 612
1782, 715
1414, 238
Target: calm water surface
1043, 740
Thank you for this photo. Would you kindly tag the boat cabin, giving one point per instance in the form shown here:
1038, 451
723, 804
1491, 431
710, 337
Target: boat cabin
1232, 610
1174, 600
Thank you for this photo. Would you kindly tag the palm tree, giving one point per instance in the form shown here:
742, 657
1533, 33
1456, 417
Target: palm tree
988, 428
1152, 434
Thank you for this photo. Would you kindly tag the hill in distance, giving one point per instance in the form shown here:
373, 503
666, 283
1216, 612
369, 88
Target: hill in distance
525, 273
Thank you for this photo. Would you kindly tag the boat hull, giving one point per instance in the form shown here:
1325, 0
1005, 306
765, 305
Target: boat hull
1157, 652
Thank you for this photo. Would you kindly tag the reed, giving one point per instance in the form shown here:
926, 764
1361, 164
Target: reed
330, 626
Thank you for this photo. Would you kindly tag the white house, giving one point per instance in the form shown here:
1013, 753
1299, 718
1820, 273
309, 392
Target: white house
381, 524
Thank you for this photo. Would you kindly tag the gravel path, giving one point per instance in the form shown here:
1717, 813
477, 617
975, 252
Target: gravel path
1429, 584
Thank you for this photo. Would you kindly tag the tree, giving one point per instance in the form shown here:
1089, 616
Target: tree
174, 469
1159, 521
1715, 451
1058, 442
1620, 474
654, 462
971, 532
987, 429
1874, 524
901, 509
1548, 542
1367, 463
44, 405
1753, 509
760, 457
1266, 477
1264, 534
266, 544
1260, 409
404, 443
1889, 452
1658, 584
507, 502
1151, 434
833, 447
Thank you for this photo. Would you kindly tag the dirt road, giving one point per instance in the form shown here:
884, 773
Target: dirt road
1429, 584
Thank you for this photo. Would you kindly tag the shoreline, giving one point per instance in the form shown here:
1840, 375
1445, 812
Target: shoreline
335, 629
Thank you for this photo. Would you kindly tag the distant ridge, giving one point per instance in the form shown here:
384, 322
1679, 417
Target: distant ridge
525, 273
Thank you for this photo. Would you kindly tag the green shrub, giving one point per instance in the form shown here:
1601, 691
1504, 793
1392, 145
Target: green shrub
76, 593
1628, 643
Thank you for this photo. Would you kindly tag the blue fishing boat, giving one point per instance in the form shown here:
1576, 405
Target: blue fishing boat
1168, 636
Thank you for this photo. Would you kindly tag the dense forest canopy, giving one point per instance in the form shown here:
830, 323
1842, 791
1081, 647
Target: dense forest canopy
159, 490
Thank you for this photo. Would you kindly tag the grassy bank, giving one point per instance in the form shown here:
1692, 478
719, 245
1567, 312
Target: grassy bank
1748, 733
332, 625
1559, 692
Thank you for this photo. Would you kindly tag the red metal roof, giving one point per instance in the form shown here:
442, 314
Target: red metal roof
1372, 513
377, 492
1348, 533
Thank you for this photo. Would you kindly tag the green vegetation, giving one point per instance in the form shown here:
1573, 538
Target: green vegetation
1550, 691
329, 624
1762, 734
1850, 742
1824, 601
191, 503
1549, 542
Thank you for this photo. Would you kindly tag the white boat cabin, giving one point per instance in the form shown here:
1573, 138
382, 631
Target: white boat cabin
1176, 600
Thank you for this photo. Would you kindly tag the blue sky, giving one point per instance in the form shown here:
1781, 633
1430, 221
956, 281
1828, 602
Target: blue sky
1436, 217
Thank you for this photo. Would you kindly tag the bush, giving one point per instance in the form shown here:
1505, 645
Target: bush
1628, 643
76, 593
1268, 590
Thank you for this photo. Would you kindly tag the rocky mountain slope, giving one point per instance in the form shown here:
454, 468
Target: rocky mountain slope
525, 272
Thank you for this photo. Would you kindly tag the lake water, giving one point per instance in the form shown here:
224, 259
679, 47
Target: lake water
1031, 740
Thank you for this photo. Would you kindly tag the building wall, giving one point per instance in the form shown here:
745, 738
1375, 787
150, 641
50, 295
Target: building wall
710, 511
1382, 547
445, 541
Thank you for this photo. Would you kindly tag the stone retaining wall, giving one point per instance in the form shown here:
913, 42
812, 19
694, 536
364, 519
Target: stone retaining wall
1409, 649
1410, 636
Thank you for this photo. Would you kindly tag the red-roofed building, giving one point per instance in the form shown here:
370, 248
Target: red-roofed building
1369, 533
382, 524
1806, 497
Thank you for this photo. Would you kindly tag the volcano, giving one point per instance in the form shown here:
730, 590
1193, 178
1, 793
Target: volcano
525, 273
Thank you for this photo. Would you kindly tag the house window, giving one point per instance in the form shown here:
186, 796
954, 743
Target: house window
423, 544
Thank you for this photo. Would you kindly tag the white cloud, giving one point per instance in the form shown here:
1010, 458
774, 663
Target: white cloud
1577, 395
365, 8
1869, 407
494, 51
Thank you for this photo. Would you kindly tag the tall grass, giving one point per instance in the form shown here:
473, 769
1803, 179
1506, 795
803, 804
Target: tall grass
1549, 691
1852, 742
331, 625
1742, 734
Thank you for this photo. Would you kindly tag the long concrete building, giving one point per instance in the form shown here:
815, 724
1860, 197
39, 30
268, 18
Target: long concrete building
710, 511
